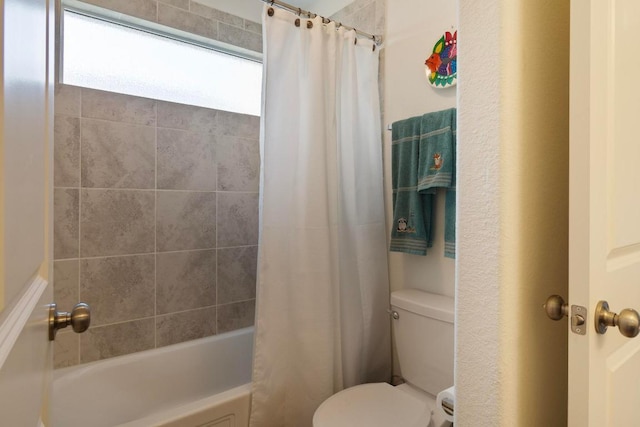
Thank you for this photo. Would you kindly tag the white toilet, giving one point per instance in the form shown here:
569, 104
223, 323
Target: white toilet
423, 330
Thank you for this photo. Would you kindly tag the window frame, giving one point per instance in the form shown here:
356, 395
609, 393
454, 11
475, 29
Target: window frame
153, 28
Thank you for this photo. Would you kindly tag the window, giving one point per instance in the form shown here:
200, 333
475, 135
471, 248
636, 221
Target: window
103, 55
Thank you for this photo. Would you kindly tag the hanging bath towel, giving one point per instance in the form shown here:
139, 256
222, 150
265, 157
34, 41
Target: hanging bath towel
412, 211
437, 166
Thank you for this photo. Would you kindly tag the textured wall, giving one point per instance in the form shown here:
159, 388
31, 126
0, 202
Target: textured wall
512, 212
155, 210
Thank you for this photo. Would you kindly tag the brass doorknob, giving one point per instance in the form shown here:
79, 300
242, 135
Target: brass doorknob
556, 308
79, 319
628, 321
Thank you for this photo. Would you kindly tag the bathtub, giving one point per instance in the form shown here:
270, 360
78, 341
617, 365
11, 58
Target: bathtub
203, 383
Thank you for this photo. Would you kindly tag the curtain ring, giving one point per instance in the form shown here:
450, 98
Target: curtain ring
270, 11
299, 11
309, 24
297, 22
355, 40
374, 48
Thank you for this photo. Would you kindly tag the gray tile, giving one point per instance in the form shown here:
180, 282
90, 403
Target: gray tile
356, 6
239, 37
185, 220
236, 316
117, 107
186, 160
215, 14
65, 223
67, 100
145, 9
182, 4
117, 155
66, 349
117, 222
185, 326
115, 340
237, 274
254, 27
338, 16
66, 154
186, 280
66, 277
238, 125
118, 289
381, 16
186, 21
238, 164
186, 117
365, 18
237, 219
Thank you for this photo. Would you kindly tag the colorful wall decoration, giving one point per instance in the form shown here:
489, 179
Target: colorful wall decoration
441, 66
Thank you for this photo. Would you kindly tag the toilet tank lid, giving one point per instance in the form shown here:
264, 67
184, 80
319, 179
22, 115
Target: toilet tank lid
423, 303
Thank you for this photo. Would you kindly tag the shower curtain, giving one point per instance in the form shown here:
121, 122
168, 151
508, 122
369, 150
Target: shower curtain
323, 292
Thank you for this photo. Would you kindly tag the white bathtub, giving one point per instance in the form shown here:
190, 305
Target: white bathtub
205, 382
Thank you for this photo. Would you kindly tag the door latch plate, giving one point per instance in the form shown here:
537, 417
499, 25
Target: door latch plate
578, 320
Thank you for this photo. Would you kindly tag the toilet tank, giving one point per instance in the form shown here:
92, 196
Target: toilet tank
424, 335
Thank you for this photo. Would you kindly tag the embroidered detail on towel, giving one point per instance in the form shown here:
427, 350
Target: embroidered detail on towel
438, 161
404, 228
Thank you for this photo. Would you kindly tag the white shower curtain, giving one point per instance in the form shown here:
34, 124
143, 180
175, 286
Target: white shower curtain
323, 291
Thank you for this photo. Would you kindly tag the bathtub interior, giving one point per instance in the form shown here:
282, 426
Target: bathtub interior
120, 390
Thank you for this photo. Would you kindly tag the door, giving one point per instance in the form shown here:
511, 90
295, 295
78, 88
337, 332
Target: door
25, 209
604, 261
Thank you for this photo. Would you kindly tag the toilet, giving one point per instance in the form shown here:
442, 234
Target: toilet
423, 329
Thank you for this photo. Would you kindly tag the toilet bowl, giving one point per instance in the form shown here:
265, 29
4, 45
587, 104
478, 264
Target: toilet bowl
423, 329
375, 405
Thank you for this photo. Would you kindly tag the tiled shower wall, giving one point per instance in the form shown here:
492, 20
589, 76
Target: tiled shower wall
155, 208
365, 15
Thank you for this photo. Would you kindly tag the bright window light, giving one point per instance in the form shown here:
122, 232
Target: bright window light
115, 58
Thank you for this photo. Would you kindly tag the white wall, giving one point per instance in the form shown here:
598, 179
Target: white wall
413, 27
511, 361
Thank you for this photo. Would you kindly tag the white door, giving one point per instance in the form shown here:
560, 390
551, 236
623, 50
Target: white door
604, 261
26, 110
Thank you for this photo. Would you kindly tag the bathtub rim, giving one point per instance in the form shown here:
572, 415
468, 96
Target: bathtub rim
69, 372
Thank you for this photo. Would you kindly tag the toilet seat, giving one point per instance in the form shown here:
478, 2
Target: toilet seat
372, 405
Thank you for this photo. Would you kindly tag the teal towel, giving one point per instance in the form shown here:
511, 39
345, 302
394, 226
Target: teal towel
450, 224
437, 150
437, 167
412, 211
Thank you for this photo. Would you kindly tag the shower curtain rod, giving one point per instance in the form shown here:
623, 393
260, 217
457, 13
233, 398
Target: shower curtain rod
376, 38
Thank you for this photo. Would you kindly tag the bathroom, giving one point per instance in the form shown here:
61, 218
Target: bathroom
149, 285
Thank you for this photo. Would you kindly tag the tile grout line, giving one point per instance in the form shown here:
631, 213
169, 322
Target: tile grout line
155, 236
79, 218
216, 148
158, 253
152, 189
217, 248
